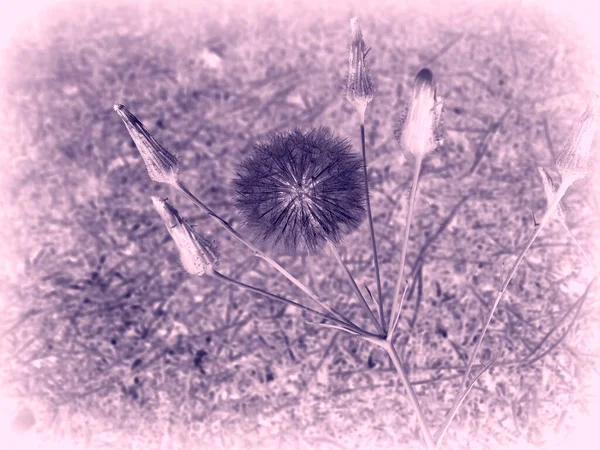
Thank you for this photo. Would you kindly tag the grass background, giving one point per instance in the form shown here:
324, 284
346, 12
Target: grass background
108, 343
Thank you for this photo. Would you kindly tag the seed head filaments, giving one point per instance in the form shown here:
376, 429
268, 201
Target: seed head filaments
302, 189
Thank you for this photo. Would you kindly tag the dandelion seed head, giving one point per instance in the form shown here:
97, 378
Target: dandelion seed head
301, 189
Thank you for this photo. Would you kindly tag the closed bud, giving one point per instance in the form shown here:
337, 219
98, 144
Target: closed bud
198, 254
419, 131
573, 161
162, 165
359, 90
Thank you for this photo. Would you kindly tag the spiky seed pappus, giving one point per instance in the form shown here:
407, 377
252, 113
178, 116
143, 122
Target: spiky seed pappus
301, 189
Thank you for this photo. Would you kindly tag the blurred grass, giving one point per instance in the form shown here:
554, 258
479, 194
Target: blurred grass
111, 333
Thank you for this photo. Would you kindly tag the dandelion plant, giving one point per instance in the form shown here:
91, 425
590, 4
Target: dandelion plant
306, 190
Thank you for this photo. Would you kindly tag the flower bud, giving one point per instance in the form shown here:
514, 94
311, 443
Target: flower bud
550, 189
162, 165
419, 129
573, 161
359, 90
198, 254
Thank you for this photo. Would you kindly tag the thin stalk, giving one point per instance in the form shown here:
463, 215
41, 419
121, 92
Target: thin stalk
371, 227
390, 336
278, 298
258, 253
439, 436
547, 215
357, 291
412, 397
409, 215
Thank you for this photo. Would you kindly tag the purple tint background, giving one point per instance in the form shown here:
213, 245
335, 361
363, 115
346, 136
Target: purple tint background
87, 260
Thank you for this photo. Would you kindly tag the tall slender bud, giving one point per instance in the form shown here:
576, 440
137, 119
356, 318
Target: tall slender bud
198, 254
419, 131
359, 90
573, 161
162, 165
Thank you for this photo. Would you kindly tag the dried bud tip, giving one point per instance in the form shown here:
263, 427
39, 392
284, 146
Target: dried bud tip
198, 254
355, 30
573, 161
161, 164
424, 82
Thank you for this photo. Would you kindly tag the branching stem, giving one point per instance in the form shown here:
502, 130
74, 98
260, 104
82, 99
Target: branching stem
219, 276
412, 396
355, 287
181, 187
547, 215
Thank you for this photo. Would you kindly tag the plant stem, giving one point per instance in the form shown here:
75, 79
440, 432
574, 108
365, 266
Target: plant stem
547, 215
411, 205
226, 279
371, 227
439, 436
395, 324
412, 397
181, 187
359, 294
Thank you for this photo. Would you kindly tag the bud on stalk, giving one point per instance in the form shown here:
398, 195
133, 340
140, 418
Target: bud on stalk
419, 130
162, 165
197, 253
359, 90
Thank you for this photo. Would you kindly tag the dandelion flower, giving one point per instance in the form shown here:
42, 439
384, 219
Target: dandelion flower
198, 254
301, 189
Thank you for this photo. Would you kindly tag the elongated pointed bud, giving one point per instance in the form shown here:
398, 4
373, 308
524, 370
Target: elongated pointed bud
550, 188
162, 165
198, 254
573, 161
359, 90
419, 131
